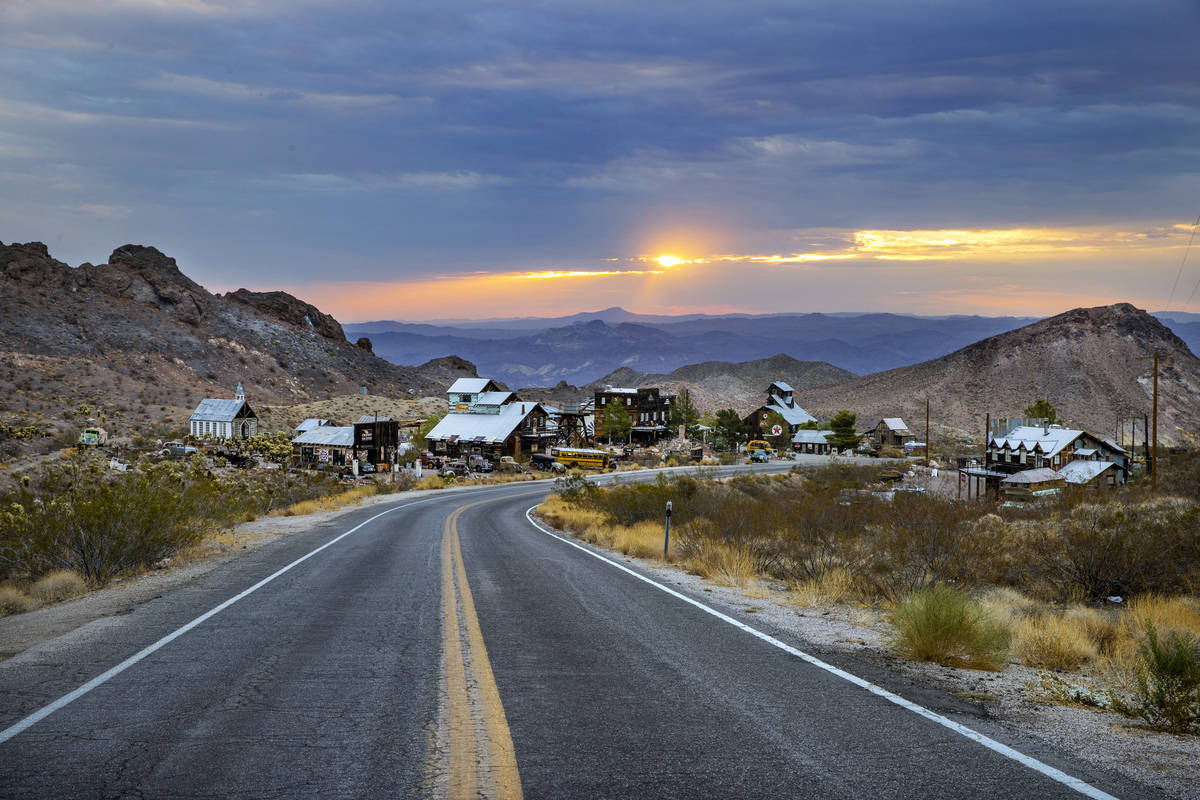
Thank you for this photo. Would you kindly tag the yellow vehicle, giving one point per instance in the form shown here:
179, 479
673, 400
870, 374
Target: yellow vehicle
759, 444
586, 458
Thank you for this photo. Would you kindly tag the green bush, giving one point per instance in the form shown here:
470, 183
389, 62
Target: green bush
944, 625
82, 517
1168, 682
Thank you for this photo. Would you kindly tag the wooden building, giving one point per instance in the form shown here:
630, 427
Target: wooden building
780, 401
224, 419
812, 442
515, 429
649, 411
889, 432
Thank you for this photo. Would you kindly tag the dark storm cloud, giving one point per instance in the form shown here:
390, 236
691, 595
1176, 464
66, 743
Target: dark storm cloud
409, 137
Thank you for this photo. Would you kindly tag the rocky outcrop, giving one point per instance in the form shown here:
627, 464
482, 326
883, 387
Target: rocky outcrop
31, 264
364, 343
146, 275
285, 307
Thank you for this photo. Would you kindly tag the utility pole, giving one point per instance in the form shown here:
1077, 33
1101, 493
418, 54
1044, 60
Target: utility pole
927, 430
1154, 462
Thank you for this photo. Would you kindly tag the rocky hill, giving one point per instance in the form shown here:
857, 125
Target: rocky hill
1090, 363
723, 384
136, 342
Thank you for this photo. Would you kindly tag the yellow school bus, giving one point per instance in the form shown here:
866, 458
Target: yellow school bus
580, 457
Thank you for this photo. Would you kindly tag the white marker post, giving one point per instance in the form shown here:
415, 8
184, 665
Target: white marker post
667, 535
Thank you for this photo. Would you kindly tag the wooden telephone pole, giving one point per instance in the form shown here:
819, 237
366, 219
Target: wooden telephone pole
926, 430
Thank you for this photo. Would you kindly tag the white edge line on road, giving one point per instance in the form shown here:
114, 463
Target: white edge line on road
975, 736
70, 697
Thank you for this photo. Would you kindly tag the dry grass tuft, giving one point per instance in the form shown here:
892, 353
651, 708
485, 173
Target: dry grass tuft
832, 587
564, 516
1008, 606
944, 625
1120, 662
1052, 641
643, 540
330, 503
58, 586
725, 564
432, 482
14, 601
1167, 614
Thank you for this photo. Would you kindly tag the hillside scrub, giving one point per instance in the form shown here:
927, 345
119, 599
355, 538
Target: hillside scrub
81, 517
803, 526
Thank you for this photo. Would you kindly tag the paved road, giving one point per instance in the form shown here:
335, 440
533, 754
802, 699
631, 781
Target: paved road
448, 647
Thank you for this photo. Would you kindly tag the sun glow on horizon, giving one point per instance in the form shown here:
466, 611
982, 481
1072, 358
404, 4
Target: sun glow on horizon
670, 261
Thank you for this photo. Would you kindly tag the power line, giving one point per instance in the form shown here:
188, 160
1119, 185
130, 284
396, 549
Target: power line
1183, 261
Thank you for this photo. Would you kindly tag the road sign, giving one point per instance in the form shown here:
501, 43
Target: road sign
776, 430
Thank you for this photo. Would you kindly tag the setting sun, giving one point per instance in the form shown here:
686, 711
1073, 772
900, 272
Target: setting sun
669, 261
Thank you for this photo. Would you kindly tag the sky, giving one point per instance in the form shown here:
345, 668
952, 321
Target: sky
412, 161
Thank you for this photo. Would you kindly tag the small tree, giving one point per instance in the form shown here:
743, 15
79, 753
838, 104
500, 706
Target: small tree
616, 422
844, 436
1041, 409
728, 429
419, 443
683, 412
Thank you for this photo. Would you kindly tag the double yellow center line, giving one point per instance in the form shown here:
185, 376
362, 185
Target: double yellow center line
480, 749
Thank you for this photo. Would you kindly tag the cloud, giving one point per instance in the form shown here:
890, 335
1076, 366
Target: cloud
250, 93
463, 180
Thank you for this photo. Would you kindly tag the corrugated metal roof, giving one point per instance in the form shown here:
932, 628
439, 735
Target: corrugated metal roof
1084, 471
895, 424
212, 409
783, 387
811, 437
469, 385
795, 415
493, 398
366, 419
493, 428
1039, 475
310, 423
327, 436
1050, 442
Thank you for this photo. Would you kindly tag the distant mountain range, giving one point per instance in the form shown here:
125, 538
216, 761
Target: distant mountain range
582, 348
541, 353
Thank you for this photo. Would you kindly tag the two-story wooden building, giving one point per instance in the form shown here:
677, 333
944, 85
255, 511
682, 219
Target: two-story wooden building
780, 401
649, 411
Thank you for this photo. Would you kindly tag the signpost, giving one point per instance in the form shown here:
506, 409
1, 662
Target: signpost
776, 430
667, 535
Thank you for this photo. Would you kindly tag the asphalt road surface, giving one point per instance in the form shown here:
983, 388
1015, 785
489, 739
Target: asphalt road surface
449, 647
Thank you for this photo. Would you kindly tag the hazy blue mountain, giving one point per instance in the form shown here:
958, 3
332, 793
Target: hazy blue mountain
583, 347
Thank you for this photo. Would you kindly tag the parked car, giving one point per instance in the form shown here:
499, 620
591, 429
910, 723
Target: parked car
479, 464
365, 467
541, 461
509, 464
176, 450
759, 456
457, 467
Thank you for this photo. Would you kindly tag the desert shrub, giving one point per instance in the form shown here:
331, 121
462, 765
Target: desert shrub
14, 601
1168, 682
1098, 550
79, 516
737, 527
923, 542
643, 502
944, 625
58, 586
